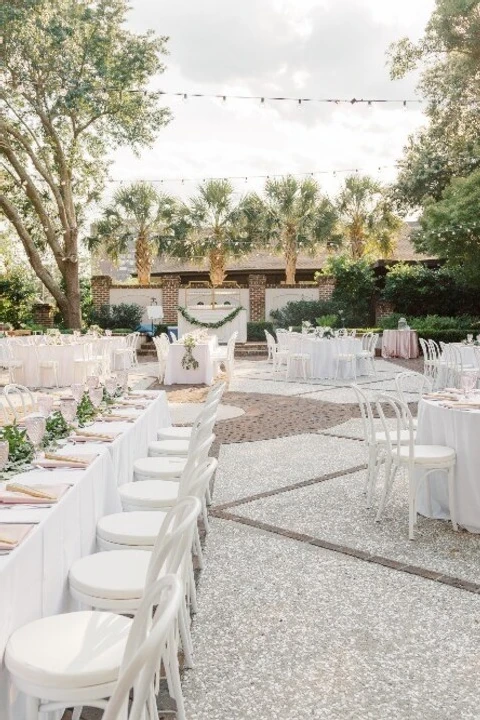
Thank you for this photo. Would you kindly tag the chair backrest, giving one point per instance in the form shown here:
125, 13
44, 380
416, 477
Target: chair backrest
20, 400
270, 340
425, 349
174, 539
353, 333
215, 391
404, 421
4, 414
196, 455
172, 336
412, 382
366, 413
145, 645
200, 478
367, 341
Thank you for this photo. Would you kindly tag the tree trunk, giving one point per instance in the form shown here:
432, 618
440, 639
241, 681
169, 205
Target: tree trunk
143, 260
71, 308
290, 259
217, 266
357, 240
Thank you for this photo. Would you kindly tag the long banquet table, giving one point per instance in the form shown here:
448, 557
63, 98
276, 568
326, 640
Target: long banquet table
34, 576
458, 429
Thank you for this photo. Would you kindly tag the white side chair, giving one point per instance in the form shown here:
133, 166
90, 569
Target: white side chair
345, 358
139, 671
116, 580
172, 336
162, 347
15, 366
85, 364
418, 460
299, 359
75, 659
175, 432
180, 447
414, 384
46, 368
367, 353
428, 364
20, 400
276, 354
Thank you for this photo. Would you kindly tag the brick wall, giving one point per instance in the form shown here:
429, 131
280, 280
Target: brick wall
170, 287
382, 309
43, 314
257, 285
101, 285
326, 286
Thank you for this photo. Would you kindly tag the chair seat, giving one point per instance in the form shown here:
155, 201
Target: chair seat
173, 448
428, 454
72, 650
114, 575
131, 528
174, 433
159, 468
152, 494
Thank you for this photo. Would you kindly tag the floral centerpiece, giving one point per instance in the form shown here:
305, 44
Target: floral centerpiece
95, 330
306, 327
190, 341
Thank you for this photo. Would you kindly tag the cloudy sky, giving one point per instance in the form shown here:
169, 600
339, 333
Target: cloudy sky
310, 48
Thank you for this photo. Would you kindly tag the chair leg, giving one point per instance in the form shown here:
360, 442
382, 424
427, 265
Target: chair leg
451, 497
176, 686
387, 483
208, 496
198, 548
412, 492
205, 516
77, 712
31, 708
187, 645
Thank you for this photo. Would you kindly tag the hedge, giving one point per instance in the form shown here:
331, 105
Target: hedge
256, 331
447, 336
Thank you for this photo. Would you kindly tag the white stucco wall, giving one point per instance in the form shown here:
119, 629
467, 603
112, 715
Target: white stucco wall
139, 296
276, 298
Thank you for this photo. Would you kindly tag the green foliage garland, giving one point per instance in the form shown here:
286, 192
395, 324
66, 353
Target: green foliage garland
211, 326
20, 449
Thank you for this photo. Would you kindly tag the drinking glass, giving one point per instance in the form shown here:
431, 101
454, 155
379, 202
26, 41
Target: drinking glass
96, 396
77, 391
35, 426
92, 382
468, 382
122, 379
469, 338
4, 450
111, 386
108, 333
45, 405
68, 408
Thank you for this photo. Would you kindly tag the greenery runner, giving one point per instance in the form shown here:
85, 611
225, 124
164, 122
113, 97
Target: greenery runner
212, 325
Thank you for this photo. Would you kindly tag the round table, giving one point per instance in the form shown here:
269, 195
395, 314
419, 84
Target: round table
400, 343
458, 429
324, 352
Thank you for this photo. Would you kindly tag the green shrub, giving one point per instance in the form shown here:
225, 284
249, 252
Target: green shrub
159, 329
354, 289
419, 291
123, 316
295, 312
433, 322
447, 336
121, 331
327, 321
390, 322
17, 295
256, 330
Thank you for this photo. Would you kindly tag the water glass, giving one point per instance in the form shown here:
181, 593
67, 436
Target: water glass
45, 405
108, 333
468, 382
469, 338
35, 426
122, 379
111, 386
96, 396
68, 408
92, 381
4, 450
77, 391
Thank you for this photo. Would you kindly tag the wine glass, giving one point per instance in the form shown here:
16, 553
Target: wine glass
92, 382
4, 450
45, 405
35, 426
111, 386
108, 333
68, 408
468, 382
96, 396
77, 391
469, 338
122, 379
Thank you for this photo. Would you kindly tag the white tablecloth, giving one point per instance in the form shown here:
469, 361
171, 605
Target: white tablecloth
323, 353
34, 577
238, 324
65, 355
460, 430
203, 375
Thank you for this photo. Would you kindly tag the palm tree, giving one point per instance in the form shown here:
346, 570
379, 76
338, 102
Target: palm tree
294, 217
212, 224
366, 217
139, 214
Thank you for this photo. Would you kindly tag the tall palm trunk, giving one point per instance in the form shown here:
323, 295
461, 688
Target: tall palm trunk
291, 255
218, 262
143, 259
357, 239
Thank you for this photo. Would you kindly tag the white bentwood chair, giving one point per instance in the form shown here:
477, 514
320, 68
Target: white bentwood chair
20, 400
76, 659
162, 347
418, 460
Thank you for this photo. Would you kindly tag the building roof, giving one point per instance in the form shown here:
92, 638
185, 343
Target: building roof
257, 260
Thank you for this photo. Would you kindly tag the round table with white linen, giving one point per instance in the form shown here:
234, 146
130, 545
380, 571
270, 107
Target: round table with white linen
400, 344
459, 429
323, 353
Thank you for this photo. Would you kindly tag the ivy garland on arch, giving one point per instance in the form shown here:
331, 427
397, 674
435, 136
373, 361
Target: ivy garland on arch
212, 325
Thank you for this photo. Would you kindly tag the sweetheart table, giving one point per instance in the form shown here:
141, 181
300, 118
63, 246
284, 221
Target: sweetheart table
34, 576
202, 352
208, 314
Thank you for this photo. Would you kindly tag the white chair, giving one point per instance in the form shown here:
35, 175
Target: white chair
45, 367
184, 433
418, 460
225, 356
367, 353
101, 355
116, 580
172, 336
20, 400
162, 347
415, 384
428, 363
375, 440
132, 346
276, 355
125, 357
75, 659
180, 447
299, 358
85, 364
346, 358
14, 365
